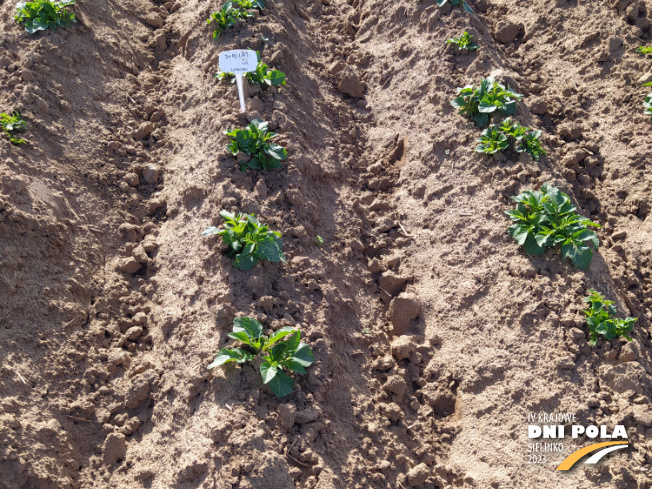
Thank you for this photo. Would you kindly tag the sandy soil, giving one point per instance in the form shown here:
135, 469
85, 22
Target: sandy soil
434, 334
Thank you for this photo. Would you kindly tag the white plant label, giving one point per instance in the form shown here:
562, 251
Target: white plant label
238, 62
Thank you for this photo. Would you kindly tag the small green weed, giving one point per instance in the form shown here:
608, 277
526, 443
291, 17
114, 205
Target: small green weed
644, 49
464, 42
279, 357
248, 240
39, 15
601, 320
255, 140
481, 103
263, 76
13, 124
226, 18
546, 219
319, 241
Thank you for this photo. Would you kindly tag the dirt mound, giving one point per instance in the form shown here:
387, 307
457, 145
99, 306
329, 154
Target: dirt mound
434, 335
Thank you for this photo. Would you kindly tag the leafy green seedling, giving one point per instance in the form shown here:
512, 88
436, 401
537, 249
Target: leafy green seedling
481, 103
464, 42
531, 144
497, 138
546, 219
40, 15
250, 4
248, 240
263, 76
513, 128
601, 319
226, 18
492, 141
644, 49
13, 124
647, 103
279, 357
319, 241
255, 140
455, 3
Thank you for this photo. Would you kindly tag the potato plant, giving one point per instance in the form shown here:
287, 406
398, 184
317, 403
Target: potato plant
483, 102
227, 17
601, 319
647, 103
12, 125
464, 42
263, 76
455, 3
250, 4
248, 240
644, 49
40, 15
498, 138
255, 141
492, 140
546, 219
282, 353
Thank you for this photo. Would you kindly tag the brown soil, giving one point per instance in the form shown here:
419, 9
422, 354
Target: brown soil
112, 304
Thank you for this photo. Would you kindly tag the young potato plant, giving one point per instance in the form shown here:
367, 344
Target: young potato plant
492, 141
226, 18
13, 124
281, 352
546, 219
489, 99
255, 141
601, 319
250, 4
647, 103
644, 49
40, 15
531, 143
455, 3
263, 76
248, 240
497, 138
464, 42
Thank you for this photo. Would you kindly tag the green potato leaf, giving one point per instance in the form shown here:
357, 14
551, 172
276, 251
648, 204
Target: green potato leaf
281, 385
227, 355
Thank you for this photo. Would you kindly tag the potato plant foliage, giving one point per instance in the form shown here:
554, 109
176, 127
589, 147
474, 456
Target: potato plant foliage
250, 4
39, 15
248, 240
255, 141
12, 125
601, 319
455, 3
263, 76
227, 17
282, 353
647, 103
483, 102
464, 42
546, 219
498, 138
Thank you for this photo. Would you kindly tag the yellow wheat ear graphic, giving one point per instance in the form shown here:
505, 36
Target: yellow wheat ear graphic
575, 456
